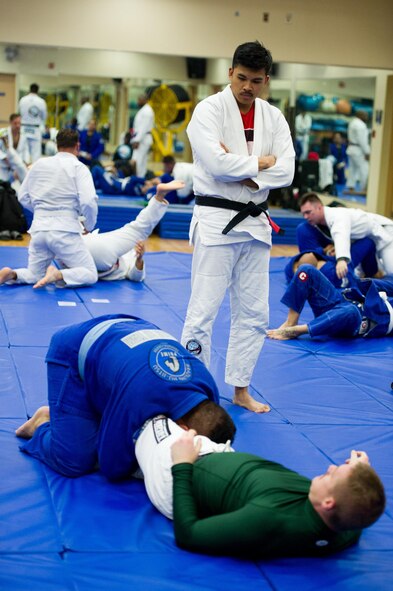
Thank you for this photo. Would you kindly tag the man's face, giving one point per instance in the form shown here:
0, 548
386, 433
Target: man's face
16, 124
247, 85
312, 213
323, 486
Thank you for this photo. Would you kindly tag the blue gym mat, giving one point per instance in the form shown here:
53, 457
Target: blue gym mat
87, 534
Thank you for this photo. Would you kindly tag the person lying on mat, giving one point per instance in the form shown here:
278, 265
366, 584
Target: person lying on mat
114, 253
106, 377
118, 254
363, 311
241, 504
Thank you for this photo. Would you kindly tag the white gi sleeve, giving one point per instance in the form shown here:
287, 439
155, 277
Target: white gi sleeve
87, 196
339, 223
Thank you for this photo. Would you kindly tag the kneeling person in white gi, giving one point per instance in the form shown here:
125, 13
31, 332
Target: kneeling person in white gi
58, 190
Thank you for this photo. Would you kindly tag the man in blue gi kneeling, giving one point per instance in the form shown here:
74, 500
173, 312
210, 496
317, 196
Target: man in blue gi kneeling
106, 377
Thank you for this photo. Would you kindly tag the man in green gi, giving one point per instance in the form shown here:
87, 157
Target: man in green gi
241, 504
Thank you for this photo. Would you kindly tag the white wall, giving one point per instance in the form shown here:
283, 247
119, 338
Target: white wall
349, 32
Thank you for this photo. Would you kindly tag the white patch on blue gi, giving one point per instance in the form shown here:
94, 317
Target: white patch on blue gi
143, 336
168, 363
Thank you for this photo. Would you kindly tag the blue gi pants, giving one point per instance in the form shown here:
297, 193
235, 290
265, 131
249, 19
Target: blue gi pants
334, 316
310, 238
68, 444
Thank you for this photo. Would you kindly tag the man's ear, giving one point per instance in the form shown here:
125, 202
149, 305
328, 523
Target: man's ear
181, 424
328, 504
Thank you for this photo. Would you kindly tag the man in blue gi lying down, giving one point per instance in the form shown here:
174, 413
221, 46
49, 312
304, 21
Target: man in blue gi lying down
106, 377
362, 311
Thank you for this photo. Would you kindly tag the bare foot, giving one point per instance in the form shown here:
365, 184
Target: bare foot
6, 274
283, 333
27, 430
51, 276
244, 399
164, 188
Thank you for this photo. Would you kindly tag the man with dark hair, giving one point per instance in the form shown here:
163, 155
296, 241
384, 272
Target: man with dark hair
59, 191
106, 377
33, 111
341, 226
244, 505
242, 148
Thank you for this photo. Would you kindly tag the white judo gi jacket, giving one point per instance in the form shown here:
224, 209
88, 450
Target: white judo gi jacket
58, 190
347, 224
217, 119
241, 263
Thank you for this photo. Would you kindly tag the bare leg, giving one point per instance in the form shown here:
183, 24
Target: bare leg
51, 276
287, 333
27, 430
164, 188
6, 274
292, 319
244, 399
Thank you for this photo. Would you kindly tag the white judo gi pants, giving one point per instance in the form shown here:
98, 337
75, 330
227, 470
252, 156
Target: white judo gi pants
67, 247
357, 168
113, 251
34, 141
243, 267
153, 452
140, 154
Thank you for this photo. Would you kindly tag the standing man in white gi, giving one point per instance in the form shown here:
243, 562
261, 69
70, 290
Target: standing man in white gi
242, 148
85, 114
58, 190
358, 152
14, 153
34, 113
142, 139
303, 124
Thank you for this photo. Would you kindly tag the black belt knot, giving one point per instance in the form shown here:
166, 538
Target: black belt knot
245, 209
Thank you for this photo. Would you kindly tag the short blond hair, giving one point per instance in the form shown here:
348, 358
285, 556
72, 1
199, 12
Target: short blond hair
360, 500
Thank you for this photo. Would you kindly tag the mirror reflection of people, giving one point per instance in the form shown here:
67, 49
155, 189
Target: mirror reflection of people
358, 152
92, 145
85, 114
142, 138
33, 111
303, 123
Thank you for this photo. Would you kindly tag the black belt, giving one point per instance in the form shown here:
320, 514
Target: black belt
31, 124
244, 209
